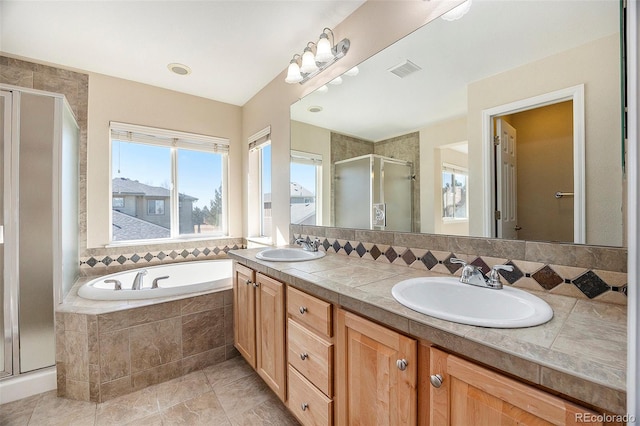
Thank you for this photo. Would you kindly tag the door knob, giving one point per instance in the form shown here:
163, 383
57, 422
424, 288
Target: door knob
304, 356
402, 364
304, 406
517, 228
436, 380
248, 282
303, 310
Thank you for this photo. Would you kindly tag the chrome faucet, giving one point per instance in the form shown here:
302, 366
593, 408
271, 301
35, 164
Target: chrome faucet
137, 281
308, 245
473, 275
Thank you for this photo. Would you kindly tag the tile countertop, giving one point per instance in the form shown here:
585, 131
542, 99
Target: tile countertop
580, 353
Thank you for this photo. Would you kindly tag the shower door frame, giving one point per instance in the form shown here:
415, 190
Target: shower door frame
10, 345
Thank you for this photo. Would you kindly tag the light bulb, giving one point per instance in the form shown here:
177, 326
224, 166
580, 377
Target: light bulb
308, 62
323, 49
293, 73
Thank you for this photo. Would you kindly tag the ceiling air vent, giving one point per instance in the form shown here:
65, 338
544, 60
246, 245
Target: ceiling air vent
404, 69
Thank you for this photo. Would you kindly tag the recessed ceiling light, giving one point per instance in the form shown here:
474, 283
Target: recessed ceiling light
314, 108
179, 69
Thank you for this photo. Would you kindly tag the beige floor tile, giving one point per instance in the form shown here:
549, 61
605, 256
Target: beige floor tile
128, 408
243, 395
182, 389
204, 410
18, 413
228, 372
270, 412
52, 410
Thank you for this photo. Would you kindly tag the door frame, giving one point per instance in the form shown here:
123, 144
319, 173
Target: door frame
574, 94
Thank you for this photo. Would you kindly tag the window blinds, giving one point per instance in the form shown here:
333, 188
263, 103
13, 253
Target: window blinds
150, 136
261, 138
307, 158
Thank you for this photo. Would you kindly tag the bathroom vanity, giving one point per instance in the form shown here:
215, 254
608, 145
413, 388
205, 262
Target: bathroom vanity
338, 349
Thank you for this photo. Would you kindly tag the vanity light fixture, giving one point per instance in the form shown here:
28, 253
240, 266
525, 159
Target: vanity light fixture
302, 68
457, 12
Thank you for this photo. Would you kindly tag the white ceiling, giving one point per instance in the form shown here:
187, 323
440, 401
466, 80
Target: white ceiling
234, 48
495, 36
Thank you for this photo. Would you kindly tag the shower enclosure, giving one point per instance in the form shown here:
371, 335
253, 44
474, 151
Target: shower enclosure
373, 192
38, 224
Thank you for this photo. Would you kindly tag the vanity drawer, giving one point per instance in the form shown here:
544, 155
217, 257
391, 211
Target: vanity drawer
310, 311
307, 403
311, 356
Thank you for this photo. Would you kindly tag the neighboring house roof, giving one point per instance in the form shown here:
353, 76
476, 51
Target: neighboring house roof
301, 212
296, 190
127, 227
124, 186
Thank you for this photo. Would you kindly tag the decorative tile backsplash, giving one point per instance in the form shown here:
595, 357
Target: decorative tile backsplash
586, 272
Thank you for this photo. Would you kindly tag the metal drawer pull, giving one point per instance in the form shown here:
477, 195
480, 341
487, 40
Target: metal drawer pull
256, 284
304, 356
402, 364
304, 406
248, 282
303, 309
436, 380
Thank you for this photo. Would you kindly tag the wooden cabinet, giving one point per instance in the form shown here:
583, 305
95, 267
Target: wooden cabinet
310, 356
244, 313
473, 395
376, 374
259, 325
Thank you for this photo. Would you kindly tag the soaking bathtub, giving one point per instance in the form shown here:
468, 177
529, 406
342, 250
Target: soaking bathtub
183, 278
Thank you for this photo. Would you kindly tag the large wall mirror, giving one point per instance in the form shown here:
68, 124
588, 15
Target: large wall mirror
504, 123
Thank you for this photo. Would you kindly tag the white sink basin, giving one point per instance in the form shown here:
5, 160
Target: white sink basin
288, 255
449, 299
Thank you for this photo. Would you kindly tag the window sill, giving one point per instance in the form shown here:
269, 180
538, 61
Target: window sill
262, 241
165, 241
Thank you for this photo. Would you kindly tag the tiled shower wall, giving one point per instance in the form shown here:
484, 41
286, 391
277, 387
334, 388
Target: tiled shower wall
581, 271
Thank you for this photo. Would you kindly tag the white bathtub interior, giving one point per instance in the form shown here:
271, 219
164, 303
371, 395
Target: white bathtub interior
183, 278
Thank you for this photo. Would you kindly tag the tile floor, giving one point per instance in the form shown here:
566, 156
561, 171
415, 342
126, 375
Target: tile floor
230, 393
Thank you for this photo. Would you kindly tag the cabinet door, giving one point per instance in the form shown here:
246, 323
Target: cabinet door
270, 330
473, 395
376, 374
244, 329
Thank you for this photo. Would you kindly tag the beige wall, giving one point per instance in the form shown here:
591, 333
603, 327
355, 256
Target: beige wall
432, 138
596, 65
114, 99
372, 27
316, 140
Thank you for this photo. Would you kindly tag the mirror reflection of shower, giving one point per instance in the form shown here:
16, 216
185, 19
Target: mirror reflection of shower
374, 192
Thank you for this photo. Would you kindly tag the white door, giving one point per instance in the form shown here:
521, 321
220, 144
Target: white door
506, 182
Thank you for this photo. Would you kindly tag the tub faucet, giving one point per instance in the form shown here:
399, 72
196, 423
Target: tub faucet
137, 281
473, 275
308, 245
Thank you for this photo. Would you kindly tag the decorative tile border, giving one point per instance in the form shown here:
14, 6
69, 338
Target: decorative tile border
112, 260
575, 281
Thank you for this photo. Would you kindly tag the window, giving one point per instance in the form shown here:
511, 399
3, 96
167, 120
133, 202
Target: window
265, 189
306, 178
118, 202
260, 216
454, 193
155, 207
175, 184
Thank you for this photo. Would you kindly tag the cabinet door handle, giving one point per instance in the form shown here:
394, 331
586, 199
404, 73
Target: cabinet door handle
248, 282
256, 284
436, 380
402, 364
303, 309
304, 406
304, 356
